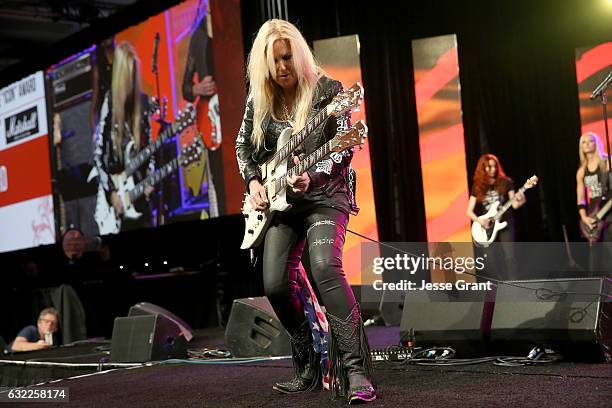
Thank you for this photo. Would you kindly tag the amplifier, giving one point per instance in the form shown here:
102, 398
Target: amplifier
71, 80
571, 316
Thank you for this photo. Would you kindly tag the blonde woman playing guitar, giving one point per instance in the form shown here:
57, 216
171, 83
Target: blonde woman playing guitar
595, 215
286, 89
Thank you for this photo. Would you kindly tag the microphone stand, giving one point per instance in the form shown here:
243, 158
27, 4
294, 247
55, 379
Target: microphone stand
162, 122
162, 113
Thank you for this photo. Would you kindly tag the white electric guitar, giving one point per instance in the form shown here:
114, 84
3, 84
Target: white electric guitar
276, 167
485, 236
287, 143
257, 222
105, 216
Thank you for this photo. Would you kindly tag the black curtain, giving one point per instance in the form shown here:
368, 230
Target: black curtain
520, 102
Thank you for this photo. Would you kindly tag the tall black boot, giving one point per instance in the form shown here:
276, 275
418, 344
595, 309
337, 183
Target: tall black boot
306, 364
350, 362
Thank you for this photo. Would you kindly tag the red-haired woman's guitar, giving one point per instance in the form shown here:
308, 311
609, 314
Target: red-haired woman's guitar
485, 236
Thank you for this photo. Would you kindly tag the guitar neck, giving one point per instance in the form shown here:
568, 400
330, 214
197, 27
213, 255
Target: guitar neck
604, 210
507, 205
153, 179
304, 165
299, 137
144, 154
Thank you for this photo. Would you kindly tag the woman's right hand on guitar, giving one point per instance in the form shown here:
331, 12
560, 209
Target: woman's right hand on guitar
591, 222
485, 222
206, 87
257, 195
117, 204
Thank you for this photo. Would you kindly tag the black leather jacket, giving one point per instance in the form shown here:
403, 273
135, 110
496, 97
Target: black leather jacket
332, 180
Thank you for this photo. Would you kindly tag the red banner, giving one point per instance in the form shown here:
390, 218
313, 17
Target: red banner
27, 171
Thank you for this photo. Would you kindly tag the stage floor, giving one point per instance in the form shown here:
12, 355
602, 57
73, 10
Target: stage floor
249, 385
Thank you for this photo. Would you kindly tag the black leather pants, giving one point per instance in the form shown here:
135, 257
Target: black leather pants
323, 229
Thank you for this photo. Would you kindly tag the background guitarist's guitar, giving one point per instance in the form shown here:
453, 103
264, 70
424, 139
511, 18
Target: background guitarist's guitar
593, 234
209, 121
485, 236
257, 222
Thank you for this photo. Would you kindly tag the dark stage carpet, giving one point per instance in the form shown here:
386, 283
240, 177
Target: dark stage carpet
560, 384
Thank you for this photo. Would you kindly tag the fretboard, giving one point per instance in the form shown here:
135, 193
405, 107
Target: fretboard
299, 137
507, 205
304, 165
144, 154
602, 213
153, 179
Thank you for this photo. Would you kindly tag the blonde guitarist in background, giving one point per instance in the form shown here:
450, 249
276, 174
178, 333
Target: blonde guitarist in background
591, 182
591, 187
491, 185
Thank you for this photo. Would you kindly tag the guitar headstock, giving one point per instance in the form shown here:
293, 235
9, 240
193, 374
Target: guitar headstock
353, 136
158, 108
347, 99
184, 119
531, 182
192, 153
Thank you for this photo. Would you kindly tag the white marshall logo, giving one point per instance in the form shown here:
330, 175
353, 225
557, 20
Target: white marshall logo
23, 125
3, 179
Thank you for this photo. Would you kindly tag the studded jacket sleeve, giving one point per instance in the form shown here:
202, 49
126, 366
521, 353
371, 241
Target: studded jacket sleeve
330, 171
244, 147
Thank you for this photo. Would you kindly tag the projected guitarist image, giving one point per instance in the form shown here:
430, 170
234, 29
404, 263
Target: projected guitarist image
288, 89
123, 130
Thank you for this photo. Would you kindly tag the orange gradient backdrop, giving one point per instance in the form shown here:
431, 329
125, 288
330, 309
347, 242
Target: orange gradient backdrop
442, 147
339, 57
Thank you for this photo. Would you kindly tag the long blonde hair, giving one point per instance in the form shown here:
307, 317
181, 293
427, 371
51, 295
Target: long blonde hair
125, 90
261, 73
600, 153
